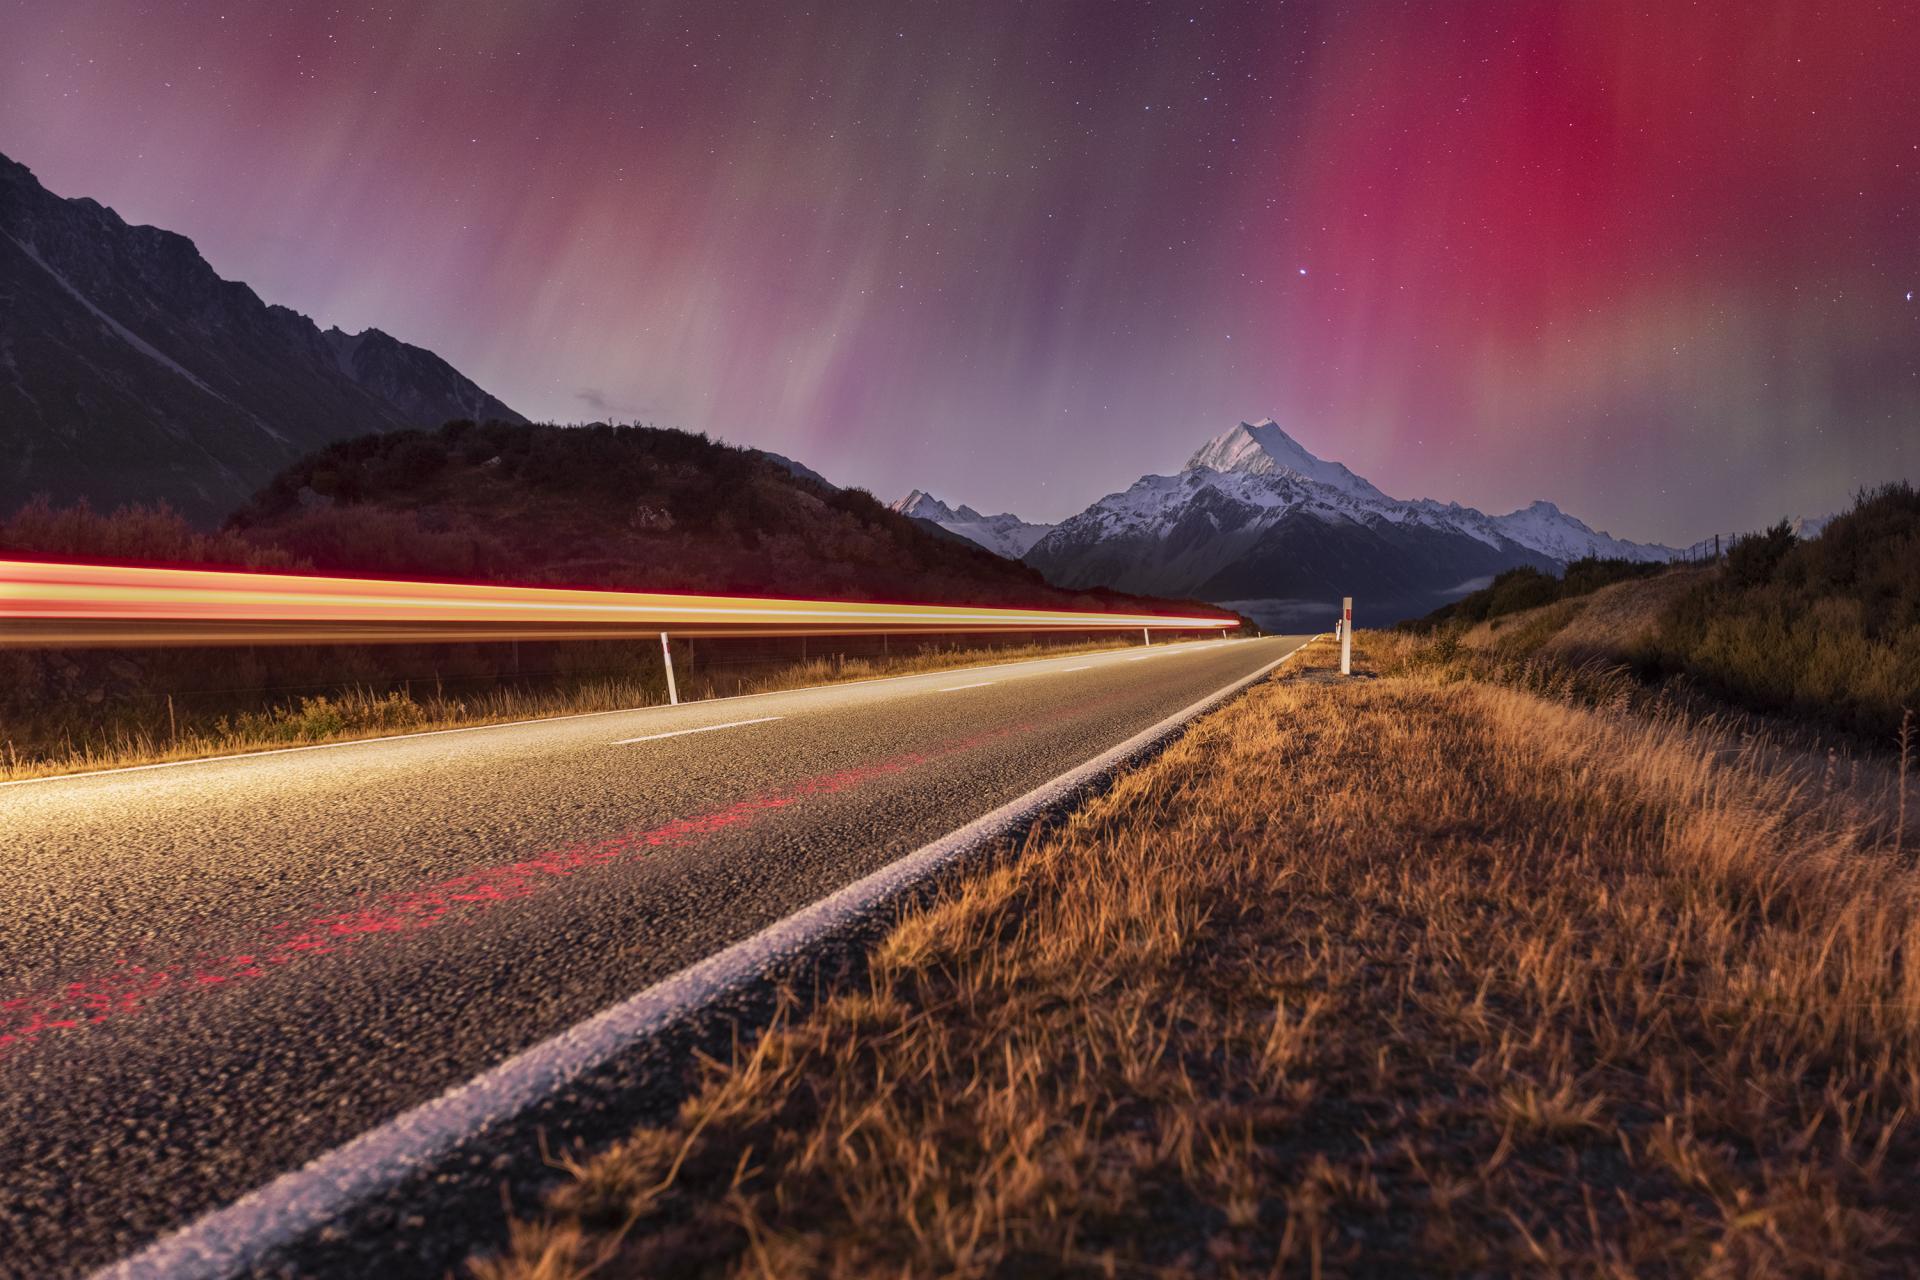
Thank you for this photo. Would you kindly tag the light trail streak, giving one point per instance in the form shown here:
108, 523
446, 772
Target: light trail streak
46, 605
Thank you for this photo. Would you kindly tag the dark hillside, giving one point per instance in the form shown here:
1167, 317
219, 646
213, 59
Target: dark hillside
633, 507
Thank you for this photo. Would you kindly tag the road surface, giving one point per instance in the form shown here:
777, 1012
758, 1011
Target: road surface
211, 973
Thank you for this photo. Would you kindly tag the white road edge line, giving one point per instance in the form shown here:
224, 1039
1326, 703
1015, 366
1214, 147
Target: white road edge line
228, 1241
705, 728
571, 715
977, 684
1083, 667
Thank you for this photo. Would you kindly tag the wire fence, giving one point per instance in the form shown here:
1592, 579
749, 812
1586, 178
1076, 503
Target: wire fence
1712, 548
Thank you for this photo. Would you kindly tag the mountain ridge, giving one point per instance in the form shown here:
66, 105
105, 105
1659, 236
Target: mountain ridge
1004, 534
1257, 522
131, 371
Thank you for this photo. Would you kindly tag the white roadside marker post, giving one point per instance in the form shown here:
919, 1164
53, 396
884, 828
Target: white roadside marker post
1346, 635
1146, 636
666, 656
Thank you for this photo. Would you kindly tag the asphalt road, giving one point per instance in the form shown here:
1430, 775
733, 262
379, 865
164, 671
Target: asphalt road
214, 972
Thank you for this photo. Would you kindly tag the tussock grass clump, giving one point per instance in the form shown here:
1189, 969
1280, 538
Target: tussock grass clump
1388, 976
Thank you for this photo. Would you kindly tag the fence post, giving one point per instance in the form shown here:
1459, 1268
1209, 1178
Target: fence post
666, 656
1346, 635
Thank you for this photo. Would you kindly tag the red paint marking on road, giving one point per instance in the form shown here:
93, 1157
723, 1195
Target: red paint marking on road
129, 988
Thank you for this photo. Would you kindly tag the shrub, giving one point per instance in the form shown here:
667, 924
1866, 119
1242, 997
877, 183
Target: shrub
132, 534
1518, 589
1827, 629
316, 719
1753, 560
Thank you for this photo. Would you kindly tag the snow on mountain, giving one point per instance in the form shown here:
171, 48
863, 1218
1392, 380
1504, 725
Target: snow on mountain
1262, 448
1005, 534
1541, 527
1255, 516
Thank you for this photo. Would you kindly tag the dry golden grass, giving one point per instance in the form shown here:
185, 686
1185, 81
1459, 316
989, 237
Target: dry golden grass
1622, 619
1386, 976
350, 715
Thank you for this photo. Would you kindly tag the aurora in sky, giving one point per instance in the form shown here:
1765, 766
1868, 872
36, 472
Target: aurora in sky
1650, 260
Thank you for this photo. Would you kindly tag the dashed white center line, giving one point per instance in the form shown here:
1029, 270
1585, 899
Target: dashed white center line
1085, 666
955, 688
1142, 657
705, 728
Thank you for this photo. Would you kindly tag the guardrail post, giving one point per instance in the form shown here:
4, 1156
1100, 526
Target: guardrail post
1346, 635
666, 656
1146, 635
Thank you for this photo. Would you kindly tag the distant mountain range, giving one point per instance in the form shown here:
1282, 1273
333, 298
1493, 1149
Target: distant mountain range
130, 371
1257, 522
1004, 534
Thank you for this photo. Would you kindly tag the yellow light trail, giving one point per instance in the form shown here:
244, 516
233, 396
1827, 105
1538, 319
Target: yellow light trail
46, 605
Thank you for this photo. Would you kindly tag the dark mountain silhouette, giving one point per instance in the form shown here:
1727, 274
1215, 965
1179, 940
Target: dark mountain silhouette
131, 372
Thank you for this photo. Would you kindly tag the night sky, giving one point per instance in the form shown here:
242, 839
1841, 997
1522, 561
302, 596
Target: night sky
1649, 260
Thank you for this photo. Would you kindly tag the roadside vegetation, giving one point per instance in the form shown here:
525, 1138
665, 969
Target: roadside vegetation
50, 740
1410, 973
1823, 632
1826, 628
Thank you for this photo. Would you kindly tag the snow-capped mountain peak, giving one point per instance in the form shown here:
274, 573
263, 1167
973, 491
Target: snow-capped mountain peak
921, 505
1257, 520
1005, 534
1263, 448
1545, 528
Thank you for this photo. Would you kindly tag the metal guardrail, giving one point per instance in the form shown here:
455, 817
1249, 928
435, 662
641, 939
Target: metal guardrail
47, 605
